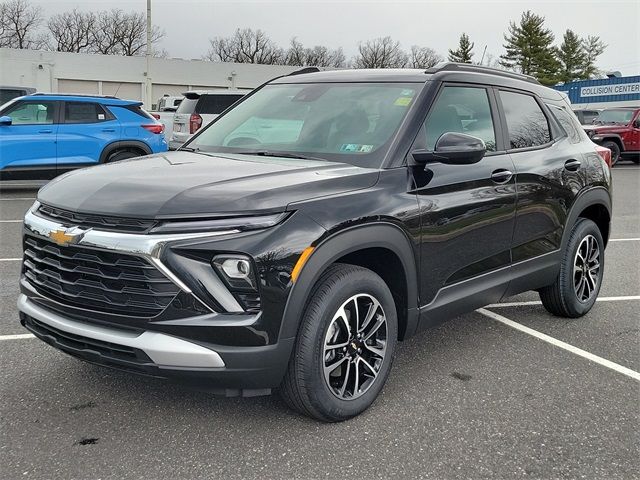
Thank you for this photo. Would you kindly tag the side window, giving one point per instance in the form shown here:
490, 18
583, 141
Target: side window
32, 113
461, 110
213, 104
568, 122
526, 123
83, 112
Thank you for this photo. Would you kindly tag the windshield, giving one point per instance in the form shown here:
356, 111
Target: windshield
619, 117
342, 122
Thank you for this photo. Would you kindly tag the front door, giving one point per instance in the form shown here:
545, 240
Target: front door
28, 144
467, 211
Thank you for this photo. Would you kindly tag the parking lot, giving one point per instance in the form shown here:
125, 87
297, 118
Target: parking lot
477, 397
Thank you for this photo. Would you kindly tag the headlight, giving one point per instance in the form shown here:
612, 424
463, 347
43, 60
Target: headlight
237, 271
217, 224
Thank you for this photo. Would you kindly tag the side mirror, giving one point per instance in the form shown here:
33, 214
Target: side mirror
453, 149
5, 120
636, 124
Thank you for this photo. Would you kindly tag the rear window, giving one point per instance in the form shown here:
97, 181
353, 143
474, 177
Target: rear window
7, 94
215, 104
188, 105
526, 123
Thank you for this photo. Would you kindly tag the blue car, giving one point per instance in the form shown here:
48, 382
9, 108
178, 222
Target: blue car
44, 135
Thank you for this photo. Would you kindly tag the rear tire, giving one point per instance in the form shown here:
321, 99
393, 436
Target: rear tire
615, 151
345, 345
122, 155
577, 286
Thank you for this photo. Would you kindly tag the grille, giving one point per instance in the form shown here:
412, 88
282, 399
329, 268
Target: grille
90, 349
101, 281
96, 221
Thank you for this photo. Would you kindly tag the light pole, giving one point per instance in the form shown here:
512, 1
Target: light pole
148, 84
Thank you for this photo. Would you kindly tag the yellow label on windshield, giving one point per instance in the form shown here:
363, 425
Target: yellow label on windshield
402, 101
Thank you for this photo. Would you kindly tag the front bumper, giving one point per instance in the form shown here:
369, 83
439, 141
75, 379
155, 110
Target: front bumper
221, 369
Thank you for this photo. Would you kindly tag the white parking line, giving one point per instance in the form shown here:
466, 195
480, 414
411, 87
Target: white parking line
16, 199
11, 221
16, 337
538, 302
624, 239
10, 259
559, 343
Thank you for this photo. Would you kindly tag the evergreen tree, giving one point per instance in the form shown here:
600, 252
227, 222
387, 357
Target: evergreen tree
464, 52
593, 48
529, 49
572, 57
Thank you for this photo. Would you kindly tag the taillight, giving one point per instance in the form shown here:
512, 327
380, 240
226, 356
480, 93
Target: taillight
195, 122
155, 115
605, 153
157, 128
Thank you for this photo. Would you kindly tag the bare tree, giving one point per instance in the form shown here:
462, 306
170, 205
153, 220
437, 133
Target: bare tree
424, 57
121, 33
317, 56
72, 31
381, 52
245, 46
20, 22
133, 35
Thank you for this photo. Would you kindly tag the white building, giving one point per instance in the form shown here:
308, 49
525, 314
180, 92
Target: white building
125, 77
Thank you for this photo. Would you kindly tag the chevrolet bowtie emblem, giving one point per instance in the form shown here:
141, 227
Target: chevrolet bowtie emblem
67, 236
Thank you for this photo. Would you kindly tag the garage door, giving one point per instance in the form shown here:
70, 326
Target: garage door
161, 89
124, 90
86, 87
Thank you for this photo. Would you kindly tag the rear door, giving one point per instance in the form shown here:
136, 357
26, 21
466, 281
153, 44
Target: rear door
549, 173
86, 128
29, 143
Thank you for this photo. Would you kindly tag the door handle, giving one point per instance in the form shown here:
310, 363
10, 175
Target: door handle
572, 165
109, 130
45, 131
501, 176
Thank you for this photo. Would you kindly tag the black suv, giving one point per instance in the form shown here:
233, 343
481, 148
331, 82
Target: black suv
326, 216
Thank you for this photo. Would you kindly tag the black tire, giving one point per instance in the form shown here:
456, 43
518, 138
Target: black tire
122, 155
305, 387
615, 151
636, 159
562, 297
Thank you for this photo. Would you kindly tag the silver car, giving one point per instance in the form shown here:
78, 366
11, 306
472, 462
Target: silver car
197, 109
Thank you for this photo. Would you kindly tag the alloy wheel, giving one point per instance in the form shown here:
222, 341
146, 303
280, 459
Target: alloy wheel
586, 268
355, 347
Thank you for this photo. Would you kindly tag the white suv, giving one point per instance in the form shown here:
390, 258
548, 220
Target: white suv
197, 109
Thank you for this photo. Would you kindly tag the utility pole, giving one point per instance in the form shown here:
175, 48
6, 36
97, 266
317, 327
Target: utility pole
148, 84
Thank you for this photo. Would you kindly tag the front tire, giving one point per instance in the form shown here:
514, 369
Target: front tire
577, 286
122, 155
345, 345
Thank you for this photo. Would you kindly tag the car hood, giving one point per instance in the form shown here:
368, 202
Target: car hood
179, 184
605, 128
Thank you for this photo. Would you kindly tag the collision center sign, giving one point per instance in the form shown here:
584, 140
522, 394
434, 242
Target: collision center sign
616, 89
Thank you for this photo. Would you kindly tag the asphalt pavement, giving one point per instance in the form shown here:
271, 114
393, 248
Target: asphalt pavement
473, 398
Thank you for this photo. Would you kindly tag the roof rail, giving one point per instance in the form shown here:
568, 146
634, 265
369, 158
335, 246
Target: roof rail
468, 67
304, 70
76, 95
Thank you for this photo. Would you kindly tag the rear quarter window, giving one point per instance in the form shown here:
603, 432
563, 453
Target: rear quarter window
215, 104
568, 121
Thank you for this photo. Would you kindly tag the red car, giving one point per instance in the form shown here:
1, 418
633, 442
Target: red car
618, 129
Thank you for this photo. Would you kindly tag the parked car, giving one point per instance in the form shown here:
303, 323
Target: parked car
9, 93
354, 209
587, 117
618, 129
165, 111
197, 109
44, 135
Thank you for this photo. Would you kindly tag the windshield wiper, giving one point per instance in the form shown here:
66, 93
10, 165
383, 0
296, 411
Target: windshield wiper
269, 153
190, 149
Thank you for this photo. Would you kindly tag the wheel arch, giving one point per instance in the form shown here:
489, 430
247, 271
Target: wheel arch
594, 204
124, 145
361, 245
613, 137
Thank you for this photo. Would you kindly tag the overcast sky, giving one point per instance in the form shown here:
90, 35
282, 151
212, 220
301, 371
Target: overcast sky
437, 24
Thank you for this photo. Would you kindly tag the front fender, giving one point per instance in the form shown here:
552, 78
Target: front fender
327, 251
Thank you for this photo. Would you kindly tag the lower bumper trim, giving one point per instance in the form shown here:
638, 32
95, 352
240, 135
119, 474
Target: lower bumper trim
164, 350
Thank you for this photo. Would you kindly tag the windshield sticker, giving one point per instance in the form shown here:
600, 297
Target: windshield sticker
402, 101
356, 147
